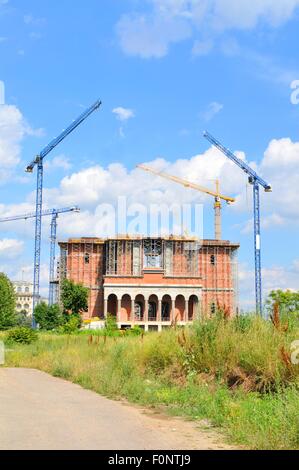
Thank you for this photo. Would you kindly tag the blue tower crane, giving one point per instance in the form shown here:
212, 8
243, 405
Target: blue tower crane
256, 182
38, 161
54, 213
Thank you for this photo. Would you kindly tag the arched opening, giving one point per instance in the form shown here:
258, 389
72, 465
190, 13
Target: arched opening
112, 305
166, 308
139, 308
193, 310
180, 305
153, 308
126, 306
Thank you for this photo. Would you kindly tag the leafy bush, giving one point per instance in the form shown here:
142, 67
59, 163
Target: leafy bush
74, 297
111, 324
7, 303
22, 335
48, 317
135, 331
71, 326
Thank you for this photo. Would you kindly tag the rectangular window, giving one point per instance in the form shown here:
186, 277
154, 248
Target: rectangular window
153, 253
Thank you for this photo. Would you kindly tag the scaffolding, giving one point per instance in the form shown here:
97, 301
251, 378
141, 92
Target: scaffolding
181, 258
219, 272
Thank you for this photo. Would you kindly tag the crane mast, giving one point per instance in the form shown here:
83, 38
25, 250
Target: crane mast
54, 213
256, 182
38, 161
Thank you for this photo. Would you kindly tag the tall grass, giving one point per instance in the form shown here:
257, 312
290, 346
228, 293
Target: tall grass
235, 373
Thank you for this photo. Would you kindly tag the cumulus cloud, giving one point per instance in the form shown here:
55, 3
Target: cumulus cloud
212, 109
10, 248
123, 114
61, 162
13, 129
96, 188
151, 34
274, 277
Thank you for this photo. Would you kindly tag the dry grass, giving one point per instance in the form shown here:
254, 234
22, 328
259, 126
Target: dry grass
236, 373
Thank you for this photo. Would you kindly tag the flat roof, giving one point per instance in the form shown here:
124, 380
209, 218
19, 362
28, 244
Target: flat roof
102, 241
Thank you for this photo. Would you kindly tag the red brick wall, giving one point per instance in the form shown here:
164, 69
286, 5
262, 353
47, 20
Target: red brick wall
216, 280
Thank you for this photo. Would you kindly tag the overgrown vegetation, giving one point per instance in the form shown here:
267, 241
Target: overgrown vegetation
48, 317
237, 373
22, 335
8, 317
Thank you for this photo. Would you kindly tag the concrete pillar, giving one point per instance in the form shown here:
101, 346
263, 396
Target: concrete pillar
133, 311
105, 308
145, 316
172, 313
118, 313
159, 311
186, 314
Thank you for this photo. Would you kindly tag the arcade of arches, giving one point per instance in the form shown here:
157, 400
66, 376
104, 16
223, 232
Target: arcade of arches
152, 308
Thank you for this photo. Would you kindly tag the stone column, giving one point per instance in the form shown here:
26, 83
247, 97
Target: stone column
133, 311
105, 308
145, 316
186, 313
118, 313
172, 313
159, 311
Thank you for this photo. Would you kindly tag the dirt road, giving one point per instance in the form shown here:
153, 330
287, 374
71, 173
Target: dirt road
38, 411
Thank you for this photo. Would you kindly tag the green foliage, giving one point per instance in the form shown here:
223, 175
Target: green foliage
205, 371
48, 317
22, 319
135, 331
71, 326
74, 297
288, 301
7, 303
110, 324
22, 335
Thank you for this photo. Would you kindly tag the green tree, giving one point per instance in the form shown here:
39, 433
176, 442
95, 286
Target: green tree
287, 300
23, 319
7, 303
74, 299
48, 317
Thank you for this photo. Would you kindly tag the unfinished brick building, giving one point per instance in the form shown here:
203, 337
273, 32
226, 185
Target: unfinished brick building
153, 282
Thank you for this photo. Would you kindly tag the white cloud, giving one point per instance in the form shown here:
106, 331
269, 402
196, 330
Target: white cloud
61, 162
274, 277
10, 248
213, 109
13, 129
123, 114
150, 34
31, 20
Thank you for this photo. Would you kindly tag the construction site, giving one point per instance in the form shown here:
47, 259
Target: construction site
153, 282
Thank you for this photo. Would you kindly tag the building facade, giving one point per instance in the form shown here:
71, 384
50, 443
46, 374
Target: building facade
24, 296
153, 282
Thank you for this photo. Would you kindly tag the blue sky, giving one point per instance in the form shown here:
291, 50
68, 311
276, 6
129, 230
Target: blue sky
169, 69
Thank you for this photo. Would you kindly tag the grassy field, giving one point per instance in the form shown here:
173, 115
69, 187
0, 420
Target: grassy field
237, 374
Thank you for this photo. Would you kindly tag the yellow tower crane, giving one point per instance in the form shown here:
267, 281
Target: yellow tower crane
218, 197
